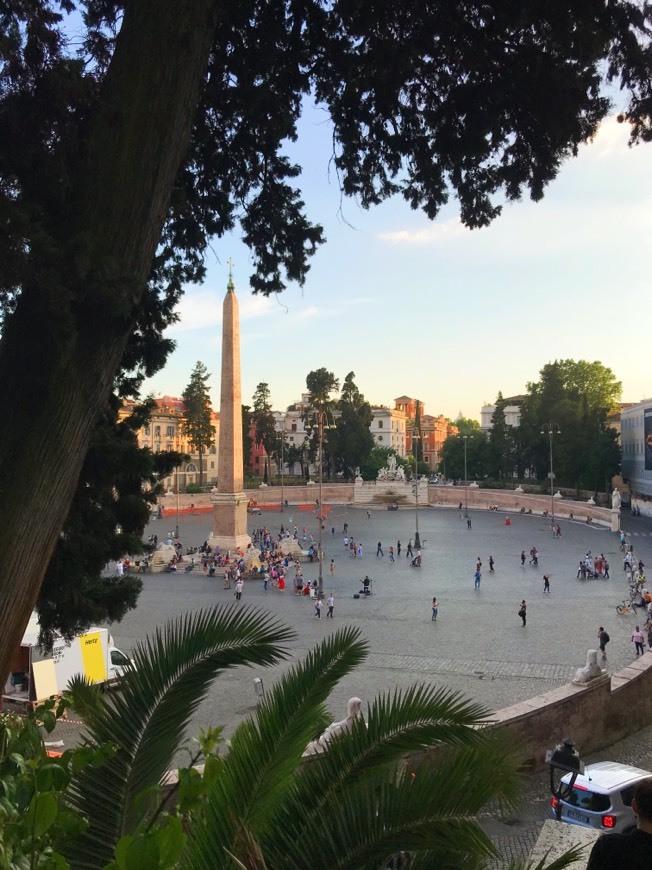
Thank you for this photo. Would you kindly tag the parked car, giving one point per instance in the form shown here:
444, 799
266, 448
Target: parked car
602, 797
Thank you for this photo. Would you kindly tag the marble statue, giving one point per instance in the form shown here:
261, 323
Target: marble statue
400, 473
391, 464
615, 500
591, 669
315, 747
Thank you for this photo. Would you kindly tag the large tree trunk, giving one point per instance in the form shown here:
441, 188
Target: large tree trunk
62, 347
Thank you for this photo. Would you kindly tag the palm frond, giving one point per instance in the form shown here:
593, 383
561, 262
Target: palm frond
422, 794
369, 823
572, 856
399, 723
259, 769
147, 718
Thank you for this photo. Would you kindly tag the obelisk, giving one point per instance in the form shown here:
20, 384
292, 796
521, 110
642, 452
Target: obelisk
229, 500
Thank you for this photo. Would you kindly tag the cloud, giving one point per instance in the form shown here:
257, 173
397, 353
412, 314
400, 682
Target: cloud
431, 234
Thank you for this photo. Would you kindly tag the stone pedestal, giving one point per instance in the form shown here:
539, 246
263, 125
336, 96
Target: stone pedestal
229, 521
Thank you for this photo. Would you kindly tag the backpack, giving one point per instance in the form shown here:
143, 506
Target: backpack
605, 637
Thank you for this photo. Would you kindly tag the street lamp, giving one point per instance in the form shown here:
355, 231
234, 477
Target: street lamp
320, 416
565, 759
282, 468
551, 429
417, 539
466, 488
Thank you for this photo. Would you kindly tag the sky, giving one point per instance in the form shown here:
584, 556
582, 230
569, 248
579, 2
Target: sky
435, 311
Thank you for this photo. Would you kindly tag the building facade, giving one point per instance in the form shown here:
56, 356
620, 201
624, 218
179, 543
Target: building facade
636, 441
388, 428
164, 432
512, 413
434, 430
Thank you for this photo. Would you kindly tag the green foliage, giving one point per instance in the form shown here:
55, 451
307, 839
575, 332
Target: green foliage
263, 420
353, 441
247, 440
500, 453
148, 717
576, 397
452, 454
197, 414
33, 811
375, 792
118, 486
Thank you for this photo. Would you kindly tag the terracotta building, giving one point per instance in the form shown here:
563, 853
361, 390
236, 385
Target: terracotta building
434, 430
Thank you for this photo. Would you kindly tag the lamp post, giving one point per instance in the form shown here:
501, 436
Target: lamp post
176, 528
321, 423
551, 429
416, 438
565, 759
282, 469
466, 488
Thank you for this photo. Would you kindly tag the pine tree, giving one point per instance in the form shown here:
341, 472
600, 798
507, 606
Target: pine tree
196, 424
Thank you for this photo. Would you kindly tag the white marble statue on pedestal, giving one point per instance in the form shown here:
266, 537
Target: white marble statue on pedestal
615, 500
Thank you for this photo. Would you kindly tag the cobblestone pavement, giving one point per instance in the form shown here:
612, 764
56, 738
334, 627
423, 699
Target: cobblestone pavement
477, 646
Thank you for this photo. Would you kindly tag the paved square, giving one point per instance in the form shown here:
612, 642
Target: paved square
477, 646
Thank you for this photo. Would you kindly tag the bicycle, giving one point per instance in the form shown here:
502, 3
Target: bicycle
625, 607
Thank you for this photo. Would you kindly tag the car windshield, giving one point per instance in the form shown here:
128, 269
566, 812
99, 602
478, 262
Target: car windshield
588, 800
117, 658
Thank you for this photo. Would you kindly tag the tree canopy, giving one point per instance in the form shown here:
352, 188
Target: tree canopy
197, 414
157, 126
354, 415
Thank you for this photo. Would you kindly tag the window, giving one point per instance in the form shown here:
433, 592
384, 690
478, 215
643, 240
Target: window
168, 447
380, 424
213, 451
157, 431
170, 432
147, 429
212, 465
380, 437
294, 427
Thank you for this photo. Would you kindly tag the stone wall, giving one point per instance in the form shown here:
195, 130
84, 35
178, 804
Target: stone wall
443, 496
595, 715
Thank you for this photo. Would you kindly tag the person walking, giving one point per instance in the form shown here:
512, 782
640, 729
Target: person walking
330, 603
408, 552
603, 640
476, 578
638, 640
468, 523
522, 558
648, 626
546, 583
318, 607
359, 551
345, 528
398, 548
391, 554
331, 569
605, 569
491, 564
379, 550
435, 608
522, 612
368, 514
239, 586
